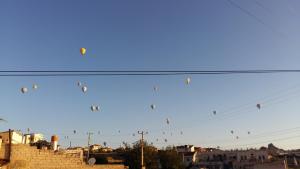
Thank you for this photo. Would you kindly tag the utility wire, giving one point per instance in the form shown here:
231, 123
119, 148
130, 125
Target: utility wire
45, 73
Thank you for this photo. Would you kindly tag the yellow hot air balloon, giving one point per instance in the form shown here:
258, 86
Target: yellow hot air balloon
82, 51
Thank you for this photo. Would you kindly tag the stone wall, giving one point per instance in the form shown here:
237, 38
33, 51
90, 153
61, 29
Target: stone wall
26, 157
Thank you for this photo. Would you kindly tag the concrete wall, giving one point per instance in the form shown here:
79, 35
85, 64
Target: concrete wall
273, 165
26, 157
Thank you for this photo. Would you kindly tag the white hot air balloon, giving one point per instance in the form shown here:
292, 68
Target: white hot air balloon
84, 89
79, 84
153, 106
34, 86
93, 108
24, 89
98, 108
188, 80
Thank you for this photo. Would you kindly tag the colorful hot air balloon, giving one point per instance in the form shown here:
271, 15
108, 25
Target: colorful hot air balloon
82, 51
188, 80
258, 106
24, 89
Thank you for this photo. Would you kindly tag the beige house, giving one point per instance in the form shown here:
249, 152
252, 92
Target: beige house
18, 138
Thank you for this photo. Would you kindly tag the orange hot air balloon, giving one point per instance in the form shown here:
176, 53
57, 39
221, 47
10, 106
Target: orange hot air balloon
82, 51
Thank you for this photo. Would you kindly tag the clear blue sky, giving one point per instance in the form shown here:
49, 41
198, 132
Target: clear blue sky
153, 35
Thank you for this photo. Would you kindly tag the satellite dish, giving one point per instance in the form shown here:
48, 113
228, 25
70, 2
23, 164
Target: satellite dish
91, 161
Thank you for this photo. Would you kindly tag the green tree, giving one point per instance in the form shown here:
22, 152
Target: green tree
132, 156
170, 159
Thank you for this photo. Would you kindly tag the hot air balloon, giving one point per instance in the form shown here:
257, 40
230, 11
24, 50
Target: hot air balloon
93, 108
1, 119
249, 132
79, 84
119, 131
237, 137
98, 108
34, 86
231, 131
84, 89
82, 51
74, 131
155, 88
168, 121
181, 132
258, 106
214, 112
188, 80
153, 106
104, 143
24, 89
166, 140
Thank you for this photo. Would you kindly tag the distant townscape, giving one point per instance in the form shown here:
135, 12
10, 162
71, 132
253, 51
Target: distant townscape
30, 150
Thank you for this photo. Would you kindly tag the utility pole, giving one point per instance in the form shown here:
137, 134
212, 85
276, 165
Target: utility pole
142, 148
89, 140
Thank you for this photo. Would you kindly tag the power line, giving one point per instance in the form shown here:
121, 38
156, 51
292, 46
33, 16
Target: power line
45, 73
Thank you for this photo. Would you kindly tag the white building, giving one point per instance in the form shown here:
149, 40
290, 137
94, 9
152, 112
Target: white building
185, 148
16, 136
235, 158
